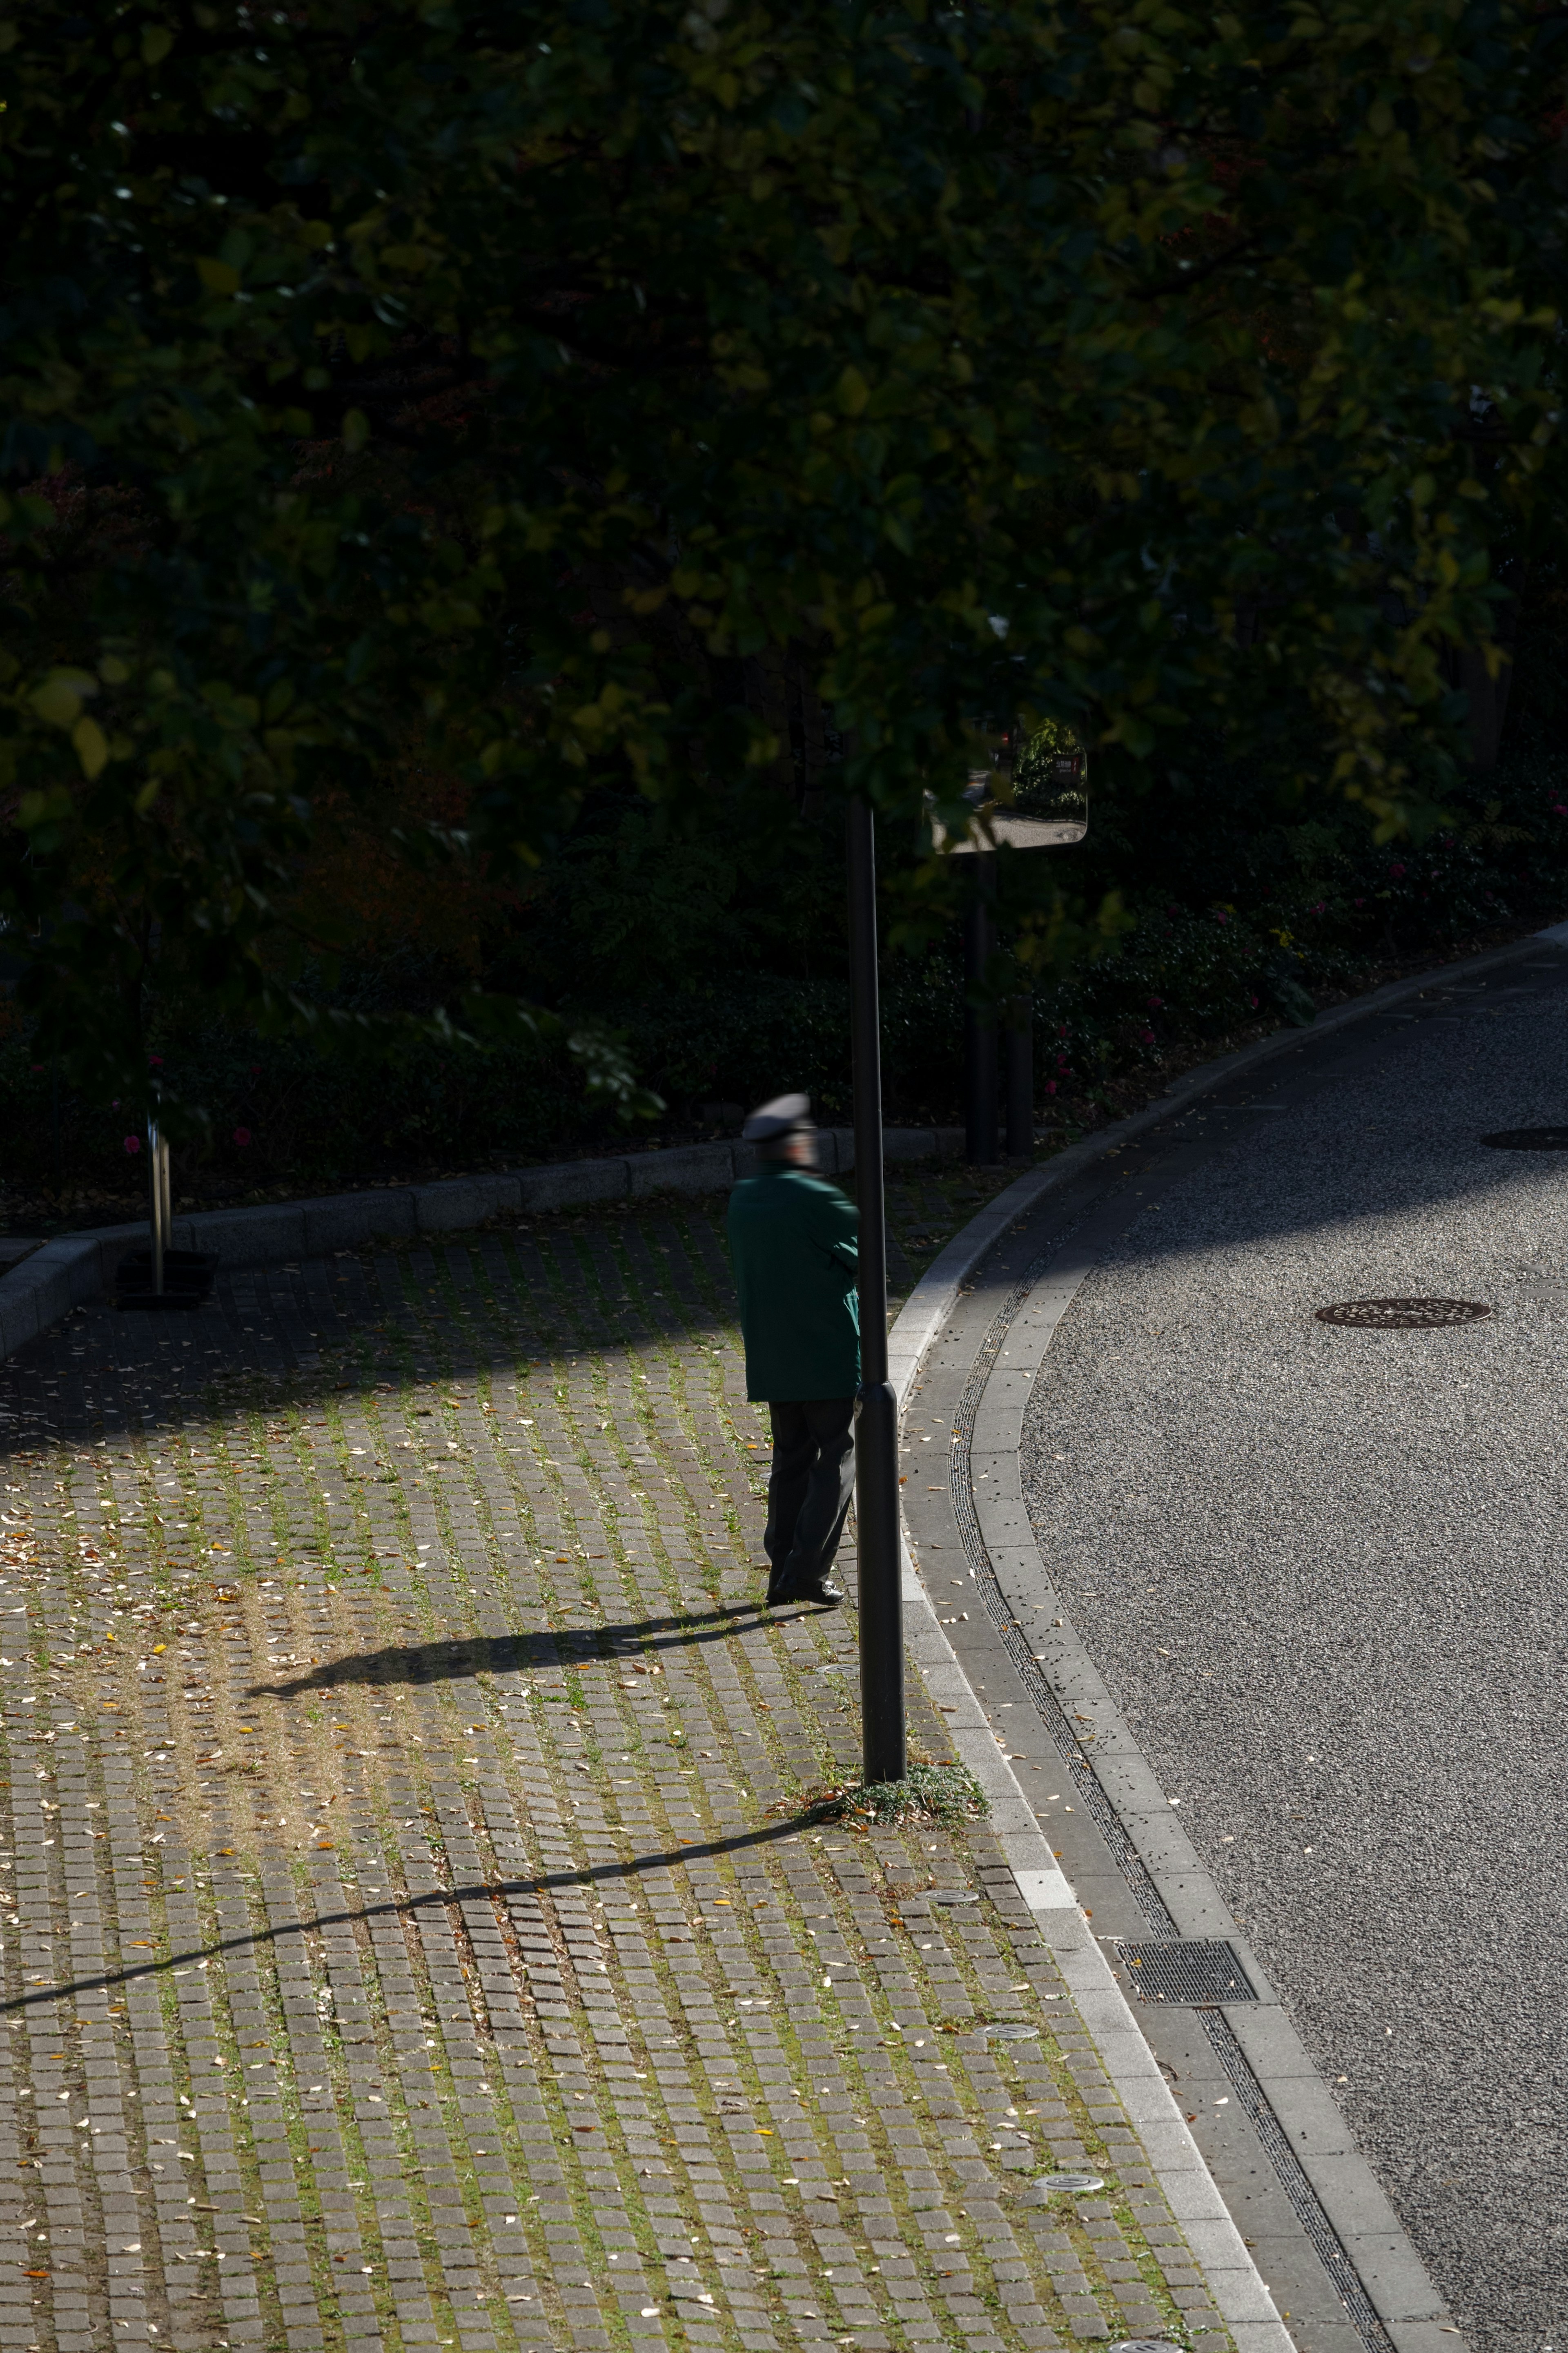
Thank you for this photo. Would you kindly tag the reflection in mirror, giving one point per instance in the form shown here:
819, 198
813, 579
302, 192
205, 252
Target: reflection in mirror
1050, 779
1028, 796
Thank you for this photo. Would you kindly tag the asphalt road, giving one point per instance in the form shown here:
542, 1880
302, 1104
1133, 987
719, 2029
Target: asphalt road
1322, 1572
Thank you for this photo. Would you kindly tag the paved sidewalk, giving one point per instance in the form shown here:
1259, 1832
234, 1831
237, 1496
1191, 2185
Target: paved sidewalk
421, 1935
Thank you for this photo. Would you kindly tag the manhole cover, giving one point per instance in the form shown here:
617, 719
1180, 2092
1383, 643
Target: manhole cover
1403, 1315
1198, 1973
1011, 2033
1528, 1139
1142, 2344
954, 1896
1070, 2185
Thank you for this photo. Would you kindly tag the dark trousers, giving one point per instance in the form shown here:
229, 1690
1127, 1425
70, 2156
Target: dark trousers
809, 1487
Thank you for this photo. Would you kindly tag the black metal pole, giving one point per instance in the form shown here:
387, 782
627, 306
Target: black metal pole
1020, 1037
877, 1550
980, 1020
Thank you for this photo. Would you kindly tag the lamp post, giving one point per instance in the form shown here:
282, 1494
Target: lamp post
878, 1552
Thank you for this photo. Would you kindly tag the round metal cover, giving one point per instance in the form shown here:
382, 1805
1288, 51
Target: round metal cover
954, 1896
1528, 1139
1403, 1315
1011, 2033
1142, 2344
1071, 2185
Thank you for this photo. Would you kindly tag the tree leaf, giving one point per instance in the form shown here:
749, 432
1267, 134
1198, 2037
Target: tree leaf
91, 747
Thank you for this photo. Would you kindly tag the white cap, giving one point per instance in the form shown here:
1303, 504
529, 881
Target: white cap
785, 1115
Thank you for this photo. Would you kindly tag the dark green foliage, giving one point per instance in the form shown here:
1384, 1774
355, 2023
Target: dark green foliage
541, 396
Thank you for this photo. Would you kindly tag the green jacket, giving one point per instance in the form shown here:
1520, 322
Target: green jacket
792, 1238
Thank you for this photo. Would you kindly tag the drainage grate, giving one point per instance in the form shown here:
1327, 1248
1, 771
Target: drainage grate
1528, 1139
1202, 1975
1403, 1315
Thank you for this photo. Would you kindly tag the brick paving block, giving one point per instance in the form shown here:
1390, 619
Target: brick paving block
512, 1953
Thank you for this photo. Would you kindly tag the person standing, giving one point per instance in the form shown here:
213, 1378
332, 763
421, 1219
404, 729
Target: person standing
792, 1245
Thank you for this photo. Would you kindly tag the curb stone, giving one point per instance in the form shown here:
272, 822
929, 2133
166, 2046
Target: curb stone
50, 1281
56, 1276
1407, 2304
1244, 2302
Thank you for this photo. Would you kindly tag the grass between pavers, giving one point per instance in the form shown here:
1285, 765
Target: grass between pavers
591, 1529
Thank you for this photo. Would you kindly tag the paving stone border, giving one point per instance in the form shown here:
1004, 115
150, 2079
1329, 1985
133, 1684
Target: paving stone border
59, 1276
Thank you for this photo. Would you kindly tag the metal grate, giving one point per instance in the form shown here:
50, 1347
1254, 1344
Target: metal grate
1403, 1315
1201, 1974
1528, 1139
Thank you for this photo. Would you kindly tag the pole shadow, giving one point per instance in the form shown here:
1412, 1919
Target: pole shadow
404, 1907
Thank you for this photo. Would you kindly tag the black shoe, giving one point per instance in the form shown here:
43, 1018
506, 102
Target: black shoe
778, 1587
824, 1594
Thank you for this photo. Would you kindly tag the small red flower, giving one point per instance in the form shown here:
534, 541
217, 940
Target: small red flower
1156, 1003
1050, 1086
1147, 1036
1319, 907
1253, 1002
1361, 903
1395, 871
242, 1136
133, 1145
1223, 916
154, 1061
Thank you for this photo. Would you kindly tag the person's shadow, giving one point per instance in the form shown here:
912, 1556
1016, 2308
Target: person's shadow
505, 1654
